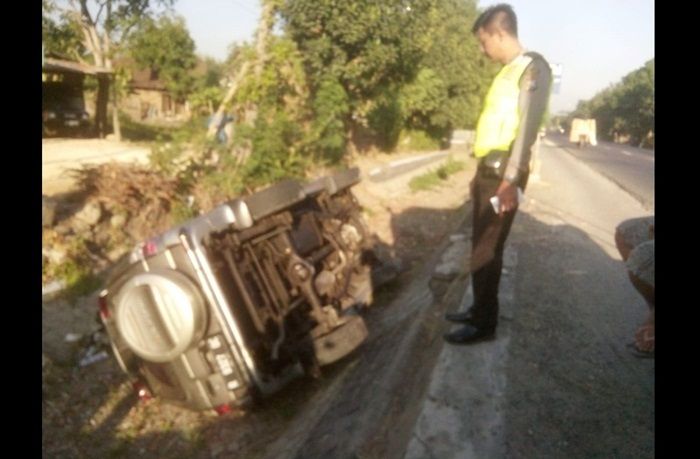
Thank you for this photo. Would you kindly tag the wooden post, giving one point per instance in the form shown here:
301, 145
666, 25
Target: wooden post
115, 112
101, 104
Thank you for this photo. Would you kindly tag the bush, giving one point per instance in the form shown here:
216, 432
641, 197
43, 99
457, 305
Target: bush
434, 178
139, 132
411, 140
275, 152
331, 108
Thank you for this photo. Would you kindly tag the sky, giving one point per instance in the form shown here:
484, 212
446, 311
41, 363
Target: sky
596, 42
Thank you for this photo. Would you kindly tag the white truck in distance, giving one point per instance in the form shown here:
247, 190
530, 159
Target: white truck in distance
583, 132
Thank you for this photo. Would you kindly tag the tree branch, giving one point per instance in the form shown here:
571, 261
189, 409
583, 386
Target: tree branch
99, 12
85, 13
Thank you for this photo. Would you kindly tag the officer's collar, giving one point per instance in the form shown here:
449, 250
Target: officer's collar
518, 57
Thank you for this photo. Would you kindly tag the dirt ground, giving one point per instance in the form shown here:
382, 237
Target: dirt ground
92, 411
572, 389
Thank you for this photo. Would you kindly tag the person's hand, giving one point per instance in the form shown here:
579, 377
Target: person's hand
508, 197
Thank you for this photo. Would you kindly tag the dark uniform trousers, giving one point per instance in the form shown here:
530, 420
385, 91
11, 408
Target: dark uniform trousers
489, 235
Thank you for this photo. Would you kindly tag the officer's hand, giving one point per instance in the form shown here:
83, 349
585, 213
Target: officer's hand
508, 196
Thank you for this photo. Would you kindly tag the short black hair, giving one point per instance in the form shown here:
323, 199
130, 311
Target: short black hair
501, 13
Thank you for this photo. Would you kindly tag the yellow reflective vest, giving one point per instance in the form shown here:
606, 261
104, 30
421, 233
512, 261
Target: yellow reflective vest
499, 121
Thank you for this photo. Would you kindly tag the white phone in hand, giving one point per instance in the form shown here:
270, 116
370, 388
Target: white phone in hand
496, 203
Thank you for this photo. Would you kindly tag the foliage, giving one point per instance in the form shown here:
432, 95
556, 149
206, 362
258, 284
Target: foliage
181, 211
104, 26
448, 91
414, 140
386, 119
401, 64
58, 34
364, 46
75, 271
330, 108
138, 132
625, 108
203, 99
274, 154
165, 47
435, 177
272, 113
207, 91
174, 148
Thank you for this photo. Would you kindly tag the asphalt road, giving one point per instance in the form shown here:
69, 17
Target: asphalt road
631, 168
559, 380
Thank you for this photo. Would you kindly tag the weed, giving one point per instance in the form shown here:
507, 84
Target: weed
434, 178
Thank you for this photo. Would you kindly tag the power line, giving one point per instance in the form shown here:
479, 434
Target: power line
246, 7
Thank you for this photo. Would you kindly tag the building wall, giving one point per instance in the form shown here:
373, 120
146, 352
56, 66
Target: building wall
148, 104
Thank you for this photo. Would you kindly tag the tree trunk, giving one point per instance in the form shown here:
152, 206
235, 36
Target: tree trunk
99, 46
115, 114
219, 115
101, 104
265, 25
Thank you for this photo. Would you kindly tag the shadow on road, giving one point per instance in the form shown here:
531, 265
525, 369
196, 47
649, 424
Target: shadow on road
573, 388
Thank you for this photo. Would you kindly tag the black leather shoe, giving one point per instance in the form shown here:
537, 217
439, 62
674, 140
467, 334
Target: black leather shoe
470, 334
459, 317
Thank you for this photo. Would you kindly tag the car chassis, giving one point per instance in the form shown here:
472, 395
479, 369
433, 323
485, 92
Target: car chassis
231, 305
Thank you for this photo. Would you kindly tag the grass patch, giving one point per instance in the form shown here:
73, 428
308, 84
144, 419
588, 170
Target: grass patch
435, 178
410, 140
75, 272
80, 281
181, 212
140, 132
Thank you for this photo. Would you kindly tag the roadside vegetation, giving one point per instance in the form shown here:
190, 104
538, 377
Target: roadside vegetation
437, 177
336, 81
624, 112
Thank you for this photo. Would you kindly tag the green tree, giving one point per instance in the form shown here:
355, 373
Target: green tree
402, 64
636, 102
271, 109
104, 26
448, 90
367, 47
207, 91
165, 46
58, 35
330, 108
625, 108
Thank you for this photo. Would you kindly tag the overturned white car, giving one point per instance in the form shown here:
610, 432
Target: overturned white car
232, 304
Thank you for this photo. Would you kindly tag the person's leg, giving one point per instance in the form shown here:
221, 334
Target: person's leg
632, 232
489, 234
485, 265
622, 245
644, 337
486, 279
488, 243
640, 268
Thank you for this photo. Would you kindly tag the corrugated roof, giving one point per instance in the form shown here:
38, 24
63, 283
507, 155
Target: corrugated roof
63, 66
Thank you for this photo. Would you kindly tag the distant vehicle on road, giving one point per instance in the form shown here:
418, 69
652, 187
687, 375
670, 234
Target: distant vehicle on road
583, 132
63, 109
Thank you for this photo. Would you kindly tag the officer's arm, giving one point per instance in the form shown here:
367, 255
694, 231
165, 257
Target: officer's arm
534, 96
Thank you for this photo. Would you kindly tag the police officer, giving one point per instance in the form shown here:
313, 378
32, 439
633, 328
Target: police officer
506, 131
